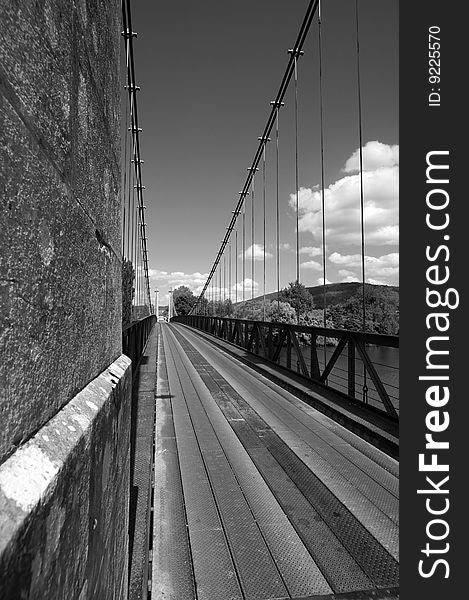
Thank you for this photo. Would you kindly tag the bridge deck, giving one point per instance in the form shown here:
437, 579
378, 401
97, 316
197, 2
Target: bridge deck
259, 496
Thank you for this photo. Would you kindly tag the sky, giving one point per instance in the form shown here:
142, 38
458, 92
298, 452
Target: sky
207, 72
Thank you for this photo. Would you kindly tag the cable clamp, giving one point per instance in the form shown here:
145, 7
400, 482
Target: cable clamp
127, 34
295, 52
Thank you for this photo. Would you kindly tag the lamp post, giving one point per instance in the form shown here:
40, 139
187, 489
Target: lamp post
157, 303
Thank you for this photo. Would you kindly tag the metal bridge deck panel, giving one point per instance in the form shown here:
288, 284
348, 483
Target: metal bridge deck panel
339, 568
258, 575
297, 568
260, 495
377, 484
214, 570
291, 416
172, 575
363, 546
356, 445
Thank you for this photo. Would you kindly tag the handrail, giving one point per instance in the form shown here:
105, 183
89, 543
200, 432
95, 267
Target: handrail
303, 346
134, 338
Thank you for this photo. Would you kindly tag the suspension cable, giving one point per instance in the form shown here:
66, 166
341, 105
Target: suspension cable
224, 280
132, 89
236, 264
124, 187
263, 222
263, 234
253, 233
277, 204
132, 253
303, 32
296, 53
323, 203
244, 252
296, 181
362, 205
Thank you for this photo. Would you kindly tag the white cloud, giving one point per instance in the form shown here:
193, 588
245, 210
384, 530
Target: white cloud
311, 251
311, 264
249, 284
342, 201
354, 260
156, 273
387, 235
346, 273
165, 280
285, 246
386, 266
375, 155
320, 281
257, 250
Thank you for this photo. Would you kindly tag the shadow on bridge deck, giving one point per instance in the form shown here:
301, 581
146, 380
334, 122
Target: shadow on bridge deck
258, 495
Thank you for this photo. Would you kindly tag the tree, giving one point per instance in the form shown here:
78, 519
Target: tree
315, 318
298, 297
251, 310
381, 311
183, 300
226, 308
280, 312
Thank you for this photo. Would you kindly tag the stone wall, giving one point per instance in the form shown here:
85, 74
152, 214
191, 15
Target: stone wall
64, 500
60, 273
64, 386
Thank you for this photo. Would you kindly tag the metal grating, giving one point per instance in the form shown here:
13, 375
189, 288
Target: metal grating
258, 574
172, 574
142, 431
347, 553
299, 571
214, 570
339, 568
172, 566
374, 559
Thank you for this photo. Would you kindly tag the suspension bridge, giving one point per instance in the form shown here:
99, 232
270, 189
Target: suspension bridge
276, 445
253, 458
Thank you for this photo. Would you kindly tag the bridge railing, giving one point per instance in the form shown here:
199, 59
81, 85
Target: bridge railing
135, 336
362, 366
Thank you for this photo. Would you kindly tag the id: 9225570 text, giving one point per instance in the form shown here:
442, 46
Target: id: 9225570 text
434, 67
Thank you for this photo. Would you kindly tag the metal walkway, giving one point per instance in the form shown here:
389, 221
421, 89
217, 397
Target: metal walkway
257, 495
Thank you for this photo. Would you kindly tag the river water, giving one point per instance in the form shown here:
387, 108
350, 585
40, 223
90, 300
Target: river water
385, 361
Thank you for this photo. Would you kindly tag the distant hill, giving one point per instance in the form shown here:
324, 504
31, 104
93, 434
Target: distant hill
336, 293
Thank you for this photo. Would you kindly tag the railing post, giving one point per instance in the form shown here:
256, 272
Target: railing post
288, 348
256, 342
351, 367
314, 363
